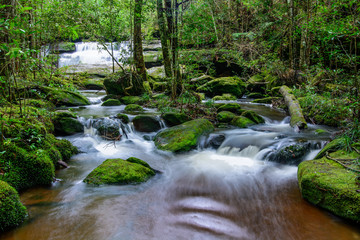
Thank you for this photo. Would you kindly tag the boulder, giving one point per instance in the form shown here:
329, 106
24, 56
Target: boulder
60, 97
111, 102
256, 118
225, 116
124, 84
173, 119
225, 96
12, 211
215, 140
329, 185
134, 108
291, 155
183, 137
241, 122
123, 117
66, 123
145, 123
157, 73
119, 171
267, 100
108, 128
231, 107
332, 146
219, 86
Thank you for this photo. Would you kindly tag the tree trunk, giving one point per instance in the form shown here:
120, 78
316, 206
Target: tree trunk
164, 39
297, 120
138, 50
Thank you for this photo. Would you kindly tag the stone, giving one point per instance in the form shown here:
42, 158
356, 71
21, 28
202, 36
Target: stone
256, 118
173, 119
111, 102
66, 123
219, 86
225, 116
184, 137
291, 155
119, 171
145, 123
231, 107
134, 108
241, 122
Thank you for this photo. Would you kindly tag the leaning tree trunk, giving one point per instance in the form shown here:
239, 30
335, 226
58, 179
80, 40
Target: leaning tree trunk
297, 120
138, 50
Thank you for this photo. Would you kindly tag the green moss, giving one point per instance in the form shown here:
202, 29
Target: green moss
225, 96
132, 100
12, 211
225, 116
38, 103
241, 122
134, 108
173, 119
332, 146
219, 86
256, 118
111, 102
64, 146
146, 123
267, 100
231, 107
138, 161
321, 131
24, 169
123, 117
160, 86
118, 171
183, 137
329, 185
61, 97
65, 123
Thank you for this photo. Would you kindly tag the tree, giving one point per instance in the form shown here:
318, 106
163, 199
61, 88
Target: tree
138, 49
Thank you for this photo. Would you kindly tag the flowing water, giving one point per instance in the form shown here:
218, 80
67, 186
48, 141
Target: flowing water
229, 193
232, 192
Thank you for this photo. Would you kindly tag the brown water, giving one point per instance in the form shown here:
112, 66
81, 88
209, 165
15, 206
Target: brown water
231, 193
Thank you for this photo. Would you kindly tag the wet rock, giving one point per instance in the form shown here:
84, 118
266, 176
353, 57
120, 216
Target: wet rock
119, 171
145, 123
231, 107
111, 102
241, 122
219, 86
60, 97
327, 184
123, 117
183, 137
332, 146
225, 116
66, 123
134, 108
173, 119
256, 118
12, 211
215, 140
225, 96
292, 154
267, 100
108, 128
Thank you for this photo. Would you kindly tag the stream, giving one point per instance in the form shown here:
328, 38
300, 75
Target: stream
233, 192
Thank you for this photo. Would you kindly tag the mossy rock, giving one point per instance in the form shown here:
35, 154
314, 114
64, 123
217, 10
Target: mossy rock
241, 122
219, 86
138, 161
231, 107
134, 108
256, 118
64, 146
321, 132
157, 73
65, 123
291, 155
38, 103
327, 184
119, 171
183, 137
332, 146
225, 116
123, 117
160, 86
24, 169
124, 84
255, 95
267, 100
225, 96
173, 119
132, 100
12, 211
145, 123
111, 102
92, 84
60, 97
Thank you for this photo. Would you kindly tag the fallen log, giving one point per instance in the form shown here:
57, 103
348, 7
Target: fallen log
297, 120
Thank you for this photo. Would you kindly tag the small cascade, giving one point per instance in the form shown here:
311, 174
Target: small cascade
93, 53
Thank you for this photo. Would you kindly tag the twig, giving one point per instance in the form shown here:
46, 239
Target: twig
338, 161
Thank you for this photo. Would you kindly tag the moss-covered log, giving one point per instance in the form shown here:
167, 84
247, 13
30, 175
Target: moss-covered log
297, 118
